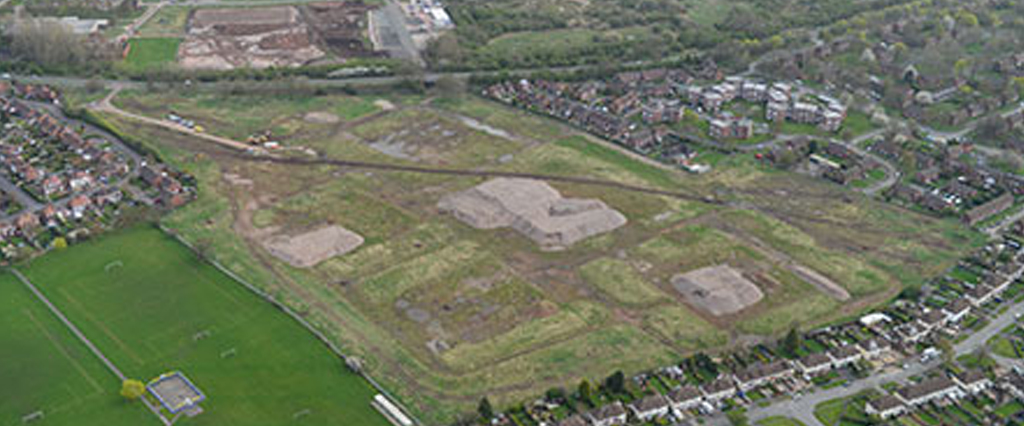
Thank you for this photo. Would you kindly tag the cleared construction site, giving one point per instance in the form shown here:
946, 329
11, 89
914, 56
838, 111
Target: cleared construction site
719, 290
277, 36
310, 248
534, 209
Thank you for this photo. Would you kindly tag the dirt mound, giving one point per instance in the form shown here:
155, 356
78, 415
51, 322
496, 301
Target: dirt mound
309, 249
533, 208
720, 290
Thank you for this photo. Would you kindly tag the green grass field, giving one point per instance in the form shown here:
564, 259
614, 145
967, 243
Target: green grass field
145, 315
780, 421
152, 53
44, 368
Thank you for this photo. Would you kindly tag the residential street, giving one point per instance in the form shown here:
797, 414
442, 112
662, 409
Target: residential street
31, 205
802, 408
27, 202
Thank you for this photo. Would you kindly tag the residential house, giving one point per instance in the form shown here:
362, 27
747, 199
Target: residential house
79, 206
51, 216
973, 381
930, 390
989, 209
957, 310
913, 331
27, 223
730, 128
1013, 384
722, 388
7, 230
112, 196
80, 181
886, 407
875, 347
650, 407
762, 374
574, 420
608, 415
685, 398
980, 294
933, 319
846, 355
814, 364
754, 92
52, 185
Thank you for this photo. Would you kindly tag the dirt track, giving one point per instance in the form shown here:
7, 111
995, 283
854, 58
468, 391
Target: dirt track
244, 151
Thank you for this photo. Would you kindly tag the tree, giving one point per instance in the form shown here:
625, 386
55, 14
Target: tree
47, 43
485, 409
616, 383
691, 117
961, 66
585, 392
60, 243
132, 389
555, 395
791, 344
944, 345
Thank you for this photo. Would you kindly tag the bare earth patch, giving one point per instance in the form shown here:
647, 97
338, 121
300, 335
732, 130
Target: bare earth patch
309, 249
321, 117
232, 38
719, 290
533, 208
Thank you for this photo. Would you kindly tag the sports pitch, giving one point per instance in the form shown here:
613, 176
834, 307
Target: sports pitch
152, 307
43, 368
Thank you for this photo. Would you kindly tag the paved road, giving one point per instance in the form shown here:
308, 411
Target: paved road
892, 173
27, 202
944, 136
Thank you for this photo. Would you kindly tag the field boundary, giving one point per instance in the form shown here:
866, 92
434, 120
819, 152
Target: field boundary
82, 338
302, 321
